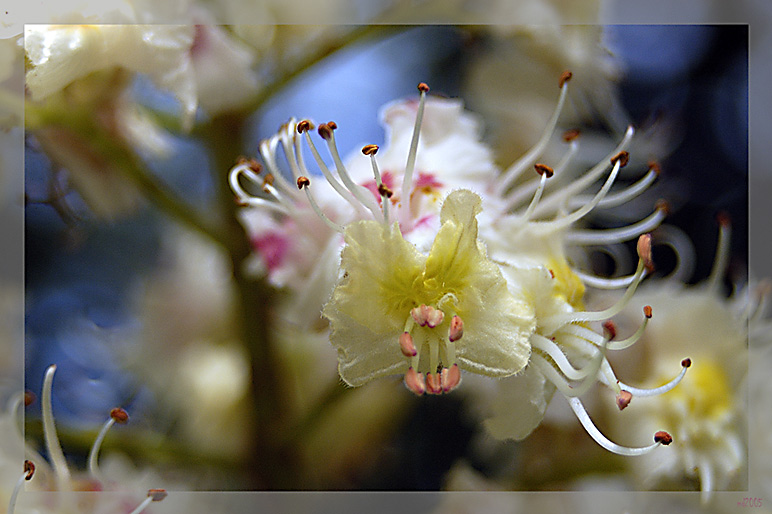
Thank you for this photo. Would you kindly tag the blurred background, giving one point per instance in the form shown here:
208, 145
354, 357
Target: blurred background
137, 309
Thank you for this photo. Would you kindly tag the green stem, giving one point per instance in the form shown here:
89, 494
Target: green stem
274, 466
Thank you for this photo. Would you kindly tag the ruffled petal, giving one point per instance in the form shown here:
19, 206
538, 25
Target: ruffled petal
368, 308
498, 325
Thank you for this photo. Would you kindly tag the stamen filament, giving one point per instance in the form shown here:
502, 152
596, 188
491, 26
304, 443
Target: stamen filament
93, 455
407, 178
628, 342
556, 354
536, 197
556, 199
617, 235
247, 199
359, 192
285, 135
602, 440
603, 282
117, 415
304, 183
561, 319
55, 453
536, 150
586, 208
623, 196
662, 389
379, 183
342, 191
515, 196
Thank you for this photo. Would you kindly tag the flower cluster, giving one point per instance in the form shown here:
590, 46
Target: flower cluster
448, 264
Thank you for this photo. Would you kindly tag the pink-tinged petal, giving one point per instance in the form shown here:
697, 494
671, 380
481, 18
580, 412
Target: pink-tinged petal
273, 248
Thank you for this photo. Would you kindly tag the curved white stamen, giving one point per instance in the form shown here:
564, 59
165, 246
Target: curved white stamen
55, 453
245, 197
722, 255
549, 371
516, 196
536, 150
591, 371
556, 354
623, 196
379, 182
586, 208
591, 429
554, 200
603, 282
271, 190
407, 178
93, 456
268, 152
616, 235
683, 249
628, 342
315, 206
536, 197
289, 141
657, 390
286, 135
553, 322
337, 186
360, 193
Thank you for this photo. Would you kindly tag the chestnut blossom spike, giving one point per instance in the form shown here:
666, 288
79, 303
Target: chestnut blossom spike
603, 441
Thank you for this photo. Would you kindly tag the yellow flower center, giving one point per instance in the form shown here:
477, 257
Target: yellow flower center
705, 390
568, 286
